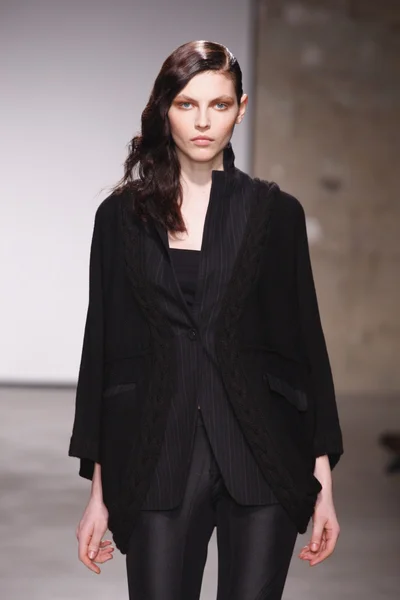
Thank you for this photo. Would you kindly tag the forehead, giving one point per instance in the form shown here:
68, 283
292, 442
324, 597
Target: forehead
209, 85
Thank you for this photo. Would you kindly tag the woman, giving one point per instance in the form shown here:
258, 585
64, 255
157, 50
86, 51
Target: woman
205, 396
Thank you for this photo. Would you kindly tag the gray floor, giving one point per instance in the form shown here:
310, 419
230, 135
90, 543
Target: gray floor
42, 499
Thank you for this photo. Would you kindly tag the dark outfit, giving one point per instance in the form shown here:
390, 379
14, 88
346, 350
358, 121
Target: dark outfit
148, 360
168, 549
199, 381
186, 265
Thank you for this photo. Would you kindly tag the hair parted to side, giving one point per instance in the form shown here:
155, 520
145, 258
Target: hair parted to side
152, 169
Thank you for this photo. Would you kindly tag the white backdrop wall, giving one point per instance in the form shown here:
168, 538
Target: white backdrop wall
75, 78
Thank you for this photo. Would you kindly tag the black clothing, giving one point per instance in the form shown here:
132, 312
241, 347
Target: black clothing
186, 265
255, 287
168, 549
199, 381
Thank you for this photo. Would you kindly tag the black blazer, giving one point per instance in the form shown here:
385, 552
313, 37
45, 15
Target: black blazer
269, 344
197, 379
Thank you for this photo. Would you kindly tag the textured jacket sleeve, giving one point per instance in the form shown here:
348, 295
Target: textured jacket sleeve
84, 442
328, 434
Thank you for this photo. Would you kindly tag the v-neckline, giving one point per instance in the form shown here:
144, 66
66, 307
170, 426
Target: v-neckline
218, 182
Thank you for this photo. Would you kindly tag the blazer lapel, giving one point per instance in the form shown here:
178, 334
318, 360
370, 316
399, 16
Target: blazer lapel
223, 229
235, 219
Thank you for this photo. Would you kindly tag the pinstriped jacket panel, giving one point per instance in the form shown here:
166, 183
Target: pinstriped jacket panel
198, 376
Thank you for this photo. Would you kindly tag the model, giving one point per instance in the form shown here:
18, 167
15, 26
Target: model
205, 396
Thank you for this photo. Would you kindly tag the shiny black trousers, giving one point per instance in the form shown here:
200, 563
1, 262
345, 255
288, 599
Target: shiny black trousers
168, 548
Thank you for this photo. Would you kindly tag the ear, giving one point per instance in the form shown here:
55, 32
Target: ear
242, 108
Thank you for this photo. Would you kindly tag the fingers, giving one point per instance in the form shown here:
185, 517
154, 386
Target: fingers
91, 549
84, 539
105, 552
326, 544
316, 538
331, 535
307, 554
94, 544
325, 551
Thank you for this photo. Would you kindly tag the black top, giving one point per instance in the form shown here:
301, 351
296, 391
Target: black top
186, 264
258, 314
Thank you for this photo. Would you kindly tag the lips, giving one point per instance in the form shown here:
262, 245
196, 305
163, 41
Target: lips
202, 141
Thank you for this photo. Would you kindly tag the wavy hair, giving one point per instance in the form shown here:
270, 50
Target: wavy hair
152, 168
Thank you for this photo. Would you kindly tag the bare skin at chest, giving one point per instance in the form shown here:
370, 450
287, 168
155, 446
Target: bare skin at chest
194, 210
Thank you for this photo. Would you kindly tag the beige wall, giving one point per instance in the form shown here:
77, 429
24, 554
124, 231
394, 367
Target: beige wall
327, 130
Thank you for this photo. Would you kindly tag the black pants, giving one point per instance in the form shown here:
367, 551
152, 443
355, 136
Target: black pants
168, 548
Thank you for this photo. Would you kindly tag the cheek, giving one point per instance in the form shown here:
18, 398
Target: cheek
178, 124
225, 122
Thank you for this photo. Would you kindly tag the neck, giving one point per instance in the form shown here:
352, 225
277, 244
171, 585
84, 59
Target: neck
198, 174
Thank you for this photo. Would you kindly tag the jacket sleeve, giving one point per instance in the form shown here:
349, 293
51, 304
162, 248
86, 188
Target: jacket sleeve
84, 442
328, 434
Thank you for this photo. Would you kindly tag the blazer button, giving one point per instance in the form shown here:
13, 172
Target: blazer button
192, 334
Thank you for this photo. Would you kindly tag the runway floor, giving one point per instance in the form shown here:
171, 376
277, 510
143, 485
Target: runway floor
42, 499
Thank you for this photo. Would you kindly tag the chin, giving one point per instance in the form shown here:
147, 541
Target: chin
202, 155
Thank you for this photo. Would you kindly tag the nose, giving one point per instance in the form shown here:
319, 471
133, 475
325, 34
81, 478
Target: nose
202, 120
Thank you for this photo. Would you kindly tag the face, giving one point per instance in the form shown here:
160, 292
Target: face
206, 107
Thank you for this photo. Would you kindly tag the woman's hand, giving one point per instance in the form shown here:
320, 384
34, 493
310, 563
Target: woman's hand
325, 524
89, 532
325, 532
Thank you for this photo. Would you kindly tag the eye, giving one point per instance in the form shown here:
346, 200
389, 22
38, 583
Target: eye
182, 103
223, 104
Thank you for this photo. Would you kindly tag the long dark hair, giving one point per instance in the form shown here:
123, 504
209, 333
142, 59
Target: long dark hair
157, 191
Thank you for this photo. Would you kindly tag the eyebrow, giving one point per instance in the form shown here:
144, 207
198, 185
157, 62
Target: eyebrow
219, 98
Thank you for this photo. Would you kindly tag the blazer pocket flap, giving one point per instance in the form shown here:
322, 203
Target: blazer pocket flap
118, 388
297, 397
